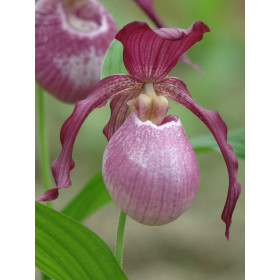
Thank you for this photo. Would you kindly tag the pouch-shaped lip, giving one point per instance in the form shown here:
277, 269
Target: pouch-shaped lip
70, 44
151, 171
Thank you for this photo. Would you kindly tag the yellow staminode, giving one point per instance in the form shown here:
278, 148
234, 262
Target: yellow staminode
149, 106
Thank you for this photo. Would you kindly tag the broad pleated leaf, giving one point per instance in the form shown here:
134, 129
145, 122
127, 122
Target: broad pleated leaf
207, 143
93, 196
68, 250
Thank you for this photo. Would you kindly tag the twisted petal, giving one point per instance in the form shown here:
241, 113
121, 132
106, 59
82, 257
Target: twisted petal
149, 55
71, 41
151, 171
177, 90
101, 93
120, 111
148, 7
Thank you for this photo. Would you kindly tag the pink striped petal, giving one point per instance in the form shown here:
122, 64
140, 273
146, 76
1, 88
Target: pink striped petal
177, 90
151, 171
71, 42
173, 34
148, 7
101, 93
150, 57
119, 112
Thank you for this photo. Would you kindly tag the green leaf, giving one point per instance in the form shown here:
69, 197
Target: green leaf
68, 250
92, 196
44, 276
113, 61
207, 143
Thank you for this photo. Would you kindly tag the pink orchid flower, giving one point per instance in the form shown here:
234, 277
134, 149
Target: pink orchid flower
71, 40
148, 7
149, 166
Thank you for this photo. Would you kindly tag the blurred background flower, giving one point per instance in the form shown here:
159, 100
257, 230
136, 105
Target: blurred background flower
193, 246
71, 38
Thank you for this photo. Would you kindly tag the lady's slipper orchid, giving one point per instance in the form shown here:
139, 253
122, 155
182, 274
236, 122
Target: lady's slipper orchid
149, 166
72, 37
148, 7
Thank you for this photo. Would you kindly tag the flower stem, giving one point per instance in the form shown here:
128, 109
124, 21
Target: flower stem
120, 238
43, 148
45, 164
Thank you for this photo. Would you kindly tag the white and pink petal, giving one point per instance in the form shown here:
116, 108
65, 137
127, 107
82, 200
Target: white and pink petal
151, 171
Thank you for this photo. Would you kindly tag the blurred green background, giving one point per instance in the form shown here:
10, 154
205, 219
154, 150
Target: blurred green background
193, 246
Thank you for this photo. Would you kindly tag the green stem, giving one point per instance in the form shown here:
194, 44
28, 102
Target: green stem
45, 164
120, 238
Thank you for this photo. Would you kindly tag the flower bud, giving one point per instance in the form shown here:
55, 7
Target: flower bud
151, 171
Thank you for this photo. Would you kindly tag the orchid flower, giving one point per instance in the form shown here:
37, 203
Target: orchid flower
72, 37
149, 166
148, 7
